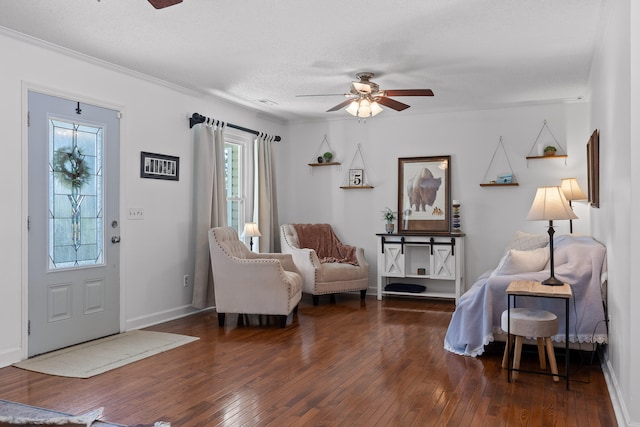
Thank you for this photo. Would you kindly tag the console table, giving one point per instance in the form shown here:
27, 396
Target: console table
433, 261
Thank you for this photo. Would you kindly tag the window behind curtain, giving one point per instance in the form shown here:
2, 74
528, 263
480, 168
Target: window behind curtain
237, 171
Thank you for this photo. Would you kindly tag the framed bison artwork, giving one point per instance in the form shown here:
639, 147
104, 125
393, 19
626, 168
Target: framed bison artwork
424, 195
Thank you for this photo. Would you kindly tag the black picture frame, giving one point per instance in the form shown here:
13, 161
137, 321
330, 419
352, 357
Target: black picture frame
159, 166
424, 195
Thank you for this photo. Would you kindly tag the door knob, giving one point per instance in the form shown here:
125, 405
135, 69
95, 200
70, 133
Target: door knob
115, 239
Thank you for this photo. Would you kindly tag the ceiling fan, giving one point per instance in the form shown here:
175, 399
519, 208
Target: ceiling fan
161, 4
365, 97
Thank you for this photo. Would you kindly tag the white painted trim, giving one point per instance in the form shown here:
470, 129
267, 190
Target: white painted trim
10, 356
24, 239
96, 61
162, 316
616, 397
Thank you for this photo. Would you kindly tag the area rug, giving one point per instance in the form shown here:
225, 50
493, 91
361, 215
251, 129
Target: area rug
95, 357
12, 413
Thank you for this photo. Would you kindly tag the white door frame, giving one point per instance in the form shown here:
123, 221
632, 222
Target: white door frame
26, 87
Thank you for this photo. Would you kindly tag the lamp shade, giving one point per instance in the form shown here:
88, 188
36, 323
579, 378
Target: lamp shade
550, 204
572, 190
251, 230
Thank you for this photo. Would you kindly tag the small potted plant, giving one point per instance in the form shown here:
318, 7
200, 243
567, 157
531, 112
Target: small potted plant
389, 216
327, 156
550, 150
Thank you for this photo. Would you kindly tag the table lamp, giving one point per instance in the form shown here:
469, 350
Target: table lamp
572, 191
549, 204
251, 231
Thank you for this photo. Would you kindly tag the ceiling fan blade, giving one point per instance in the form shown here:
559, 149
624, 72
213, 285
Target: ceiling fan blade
161, 4
324, 94
341, 105
409, 92
391, 103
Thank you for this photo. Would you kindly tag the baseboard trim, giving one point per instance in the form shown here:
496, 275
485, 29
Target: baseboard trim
10, 356
161, 317
615, 394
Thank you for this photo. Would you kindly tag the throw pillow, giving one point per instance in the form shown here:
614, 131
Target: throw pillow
525, 241
516, 261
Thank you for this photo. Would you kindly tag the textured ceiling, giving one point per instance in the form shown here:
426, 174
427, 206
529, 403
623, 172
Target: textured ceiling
471, 53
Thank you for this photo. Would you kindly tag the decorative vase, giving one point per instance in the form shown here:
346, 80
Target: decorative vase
456, 217
389, 227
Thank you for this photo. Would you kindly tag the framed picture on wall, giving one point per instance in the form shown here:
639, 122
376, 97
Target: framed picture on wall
159, 166
593, 169
424, 195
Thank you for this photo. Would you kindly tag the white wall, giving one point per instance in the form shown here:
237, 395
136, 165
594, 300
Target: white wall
490, 215
614, 100
156, 252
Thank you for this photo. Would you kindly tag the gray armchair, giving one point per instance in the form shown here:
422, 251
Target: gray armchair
249, 283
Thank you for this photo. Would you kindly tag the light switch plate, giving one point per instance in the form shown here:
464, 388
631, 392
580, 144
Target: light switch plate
136, 213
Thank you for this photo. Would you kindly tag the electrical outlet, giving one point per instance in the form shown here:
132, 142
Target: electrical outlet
136, 213
185, 280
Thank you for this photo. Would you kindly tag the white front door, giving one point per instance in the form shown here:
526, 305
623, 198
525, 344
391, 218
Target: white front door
74, 290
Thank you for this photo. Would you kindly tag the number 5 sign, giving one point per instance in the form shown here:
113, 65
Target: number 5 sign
356, 177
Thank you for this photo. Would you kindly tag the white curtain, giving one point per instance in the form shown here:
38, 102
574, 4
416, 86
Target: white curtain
266, 205
210, 205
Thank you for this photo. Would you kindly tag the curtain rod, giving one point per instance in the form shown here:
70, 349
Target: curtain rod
199, 118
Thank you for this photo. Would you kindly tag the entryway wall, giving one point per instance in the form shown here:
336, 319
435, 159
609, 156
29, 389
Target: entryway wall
156, 251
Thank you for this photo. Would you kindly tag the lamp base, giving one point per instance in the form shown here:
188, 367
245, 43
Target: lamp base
552, 281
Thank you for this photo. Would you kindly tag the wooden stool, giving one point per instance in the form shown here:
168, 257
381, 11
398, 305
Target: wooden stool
529, 322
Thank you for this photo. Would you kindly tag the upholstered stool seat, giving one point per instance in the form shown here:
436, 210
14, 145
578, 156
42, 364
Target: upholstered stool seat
531, 323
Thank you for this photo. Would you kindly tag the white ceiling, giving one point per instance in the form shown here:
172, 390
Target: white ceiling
471, 53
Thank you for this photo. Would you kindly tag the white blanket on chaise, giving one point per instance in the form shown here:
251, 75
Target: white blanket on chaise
579, 261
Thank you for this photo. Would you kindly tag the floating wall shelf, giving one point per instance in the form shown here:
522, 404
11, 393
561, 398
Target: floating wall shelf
489, 184
325, 164
355, 178
509, 177
537, 146
358, 187
555, 156
319, 154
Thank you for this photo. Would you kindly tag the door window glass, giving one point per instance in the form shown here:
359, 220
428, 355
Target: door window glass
76, 221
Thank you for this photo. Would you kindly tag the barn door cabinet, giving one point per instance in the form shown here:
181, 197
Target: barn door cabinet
433, 261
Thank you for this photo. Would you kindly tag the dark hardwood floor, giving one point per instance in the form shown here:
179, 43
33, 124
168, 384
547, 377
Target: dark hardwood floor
352, 363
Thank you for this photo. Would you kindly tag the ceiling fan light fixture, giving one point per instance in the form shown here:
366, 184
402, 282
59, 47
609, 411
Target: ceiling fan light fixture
353, 108
365, 99
364, 107
375, 108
